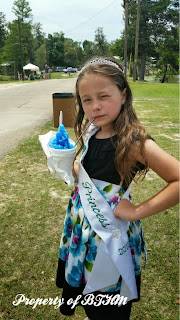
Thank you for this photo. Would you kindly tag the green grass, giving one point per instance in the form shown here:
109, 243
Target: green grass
54, 75
62, 75
33, 206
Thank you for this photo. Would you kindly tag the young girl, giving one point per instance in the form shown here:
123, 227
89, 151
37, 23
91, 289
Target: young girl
102, 241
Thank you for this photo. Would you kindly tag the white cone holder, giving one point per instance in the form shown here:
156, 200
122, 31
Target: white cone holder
59, 161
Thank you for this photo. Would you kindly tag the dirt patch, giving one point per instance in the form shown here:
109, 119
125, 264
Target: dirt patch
176, 137
151, 175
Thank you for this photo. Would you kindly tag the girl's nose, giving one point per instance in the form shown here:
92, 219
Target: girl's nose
96, 105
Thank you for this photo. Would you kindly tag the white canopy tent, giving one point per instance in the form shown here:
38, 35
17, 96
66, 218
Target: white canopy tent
31, 67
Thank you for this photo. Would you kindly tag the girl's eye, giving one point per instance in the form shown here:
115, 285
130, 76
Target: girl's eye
105, 96
86, 100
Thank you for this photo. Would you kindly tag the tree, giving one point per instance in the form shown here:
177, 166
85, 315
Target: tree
157, 16
38, 35
22, 9
55, 44
167, 43
11, 48
136, 41
101, 44
116, 48
168, 57
70, 53
125, 36
40, 56
80, 56
88, 49
2, 30
2, 34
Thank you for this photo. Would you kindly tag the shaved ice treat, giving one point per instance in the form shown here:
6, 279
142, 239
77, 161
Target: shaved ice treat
61, 141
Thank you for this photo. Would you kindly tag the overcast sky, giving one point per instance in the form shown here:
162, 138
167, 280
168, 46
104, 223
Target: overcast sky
71, 17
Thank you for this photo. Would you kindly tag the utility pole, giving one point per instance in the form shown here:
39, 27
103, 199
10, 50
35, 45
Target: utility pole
125, 36
20, 47
47, 56
136, 41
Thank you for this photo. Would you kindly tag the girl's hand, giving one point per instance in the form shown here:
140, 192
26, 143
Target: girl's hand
125, 210
167, 168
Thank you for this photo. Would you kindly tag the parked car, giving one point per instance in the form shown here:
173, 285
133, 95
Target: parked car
70, 70
60, 69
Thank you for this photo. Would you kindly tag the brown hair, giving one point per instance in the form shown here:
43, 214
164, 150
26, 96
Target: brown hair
127, 126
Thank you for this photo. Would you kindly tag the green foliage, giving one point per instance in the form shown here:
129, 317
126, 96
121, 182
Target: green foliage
158, 39
117, 48
157, 18
70, 53
22, 9
11, 48
6, 78
101, 44
40, 56
168, 57
2, 30
88, 49
38, 35
55, 44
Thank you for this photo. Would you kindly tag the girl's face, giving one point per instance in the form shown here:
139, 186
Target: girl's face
101, 99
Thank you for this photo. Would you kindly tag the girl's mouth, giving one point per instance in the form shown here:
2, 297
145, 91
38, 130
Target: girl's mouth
99, 117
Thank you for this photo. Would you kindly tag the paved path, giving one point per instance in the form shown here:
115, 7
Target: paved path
26, 107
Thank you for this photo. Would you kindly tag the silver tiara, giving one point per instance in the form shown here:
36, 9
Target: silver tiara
101, 61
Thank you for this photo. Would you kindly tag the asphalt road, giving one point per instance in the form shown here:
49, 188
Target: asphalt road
24, 108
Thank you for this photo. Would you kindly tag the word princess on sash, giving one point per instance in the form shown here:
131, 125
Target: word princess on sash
93, 205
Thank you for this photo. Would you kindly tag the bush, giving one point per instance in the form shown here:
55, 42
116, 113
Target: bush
6, 78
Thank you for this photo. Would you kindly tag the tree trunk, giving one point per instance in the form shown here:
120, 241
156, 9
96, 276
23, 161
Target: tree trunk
20, 48
164, 76
125, 38
143, 65
136, 41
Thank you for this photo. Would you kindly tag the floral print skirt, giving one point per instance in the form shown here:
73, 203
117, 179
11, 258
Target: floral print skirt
79, 242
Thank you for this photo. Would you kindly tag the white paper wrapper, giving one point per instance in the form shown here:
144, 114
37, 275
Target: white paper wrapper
59, 161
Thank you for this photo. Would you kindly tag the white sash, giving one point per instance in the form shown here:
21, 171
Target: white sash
113, 256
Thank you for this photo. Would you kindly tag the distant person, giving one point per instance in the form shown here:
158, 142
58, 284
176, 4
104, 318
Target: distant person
47, 72
19, 76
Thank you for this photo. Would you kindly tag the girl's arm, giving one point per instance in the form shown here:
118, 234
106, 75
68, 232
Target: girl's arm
167, 167
75, 170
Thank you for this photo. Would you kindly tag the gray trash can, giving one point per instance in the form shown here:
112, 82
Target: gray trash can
64, 102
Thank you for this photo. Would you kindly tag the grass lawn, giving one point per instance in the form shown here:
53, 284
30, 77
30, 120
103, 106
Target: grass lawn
33, 206
54, 75
62, 75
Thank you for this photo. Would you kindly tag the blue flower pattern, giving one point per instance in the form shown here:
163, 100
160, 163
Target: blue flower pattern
68, 227
91, 250
63, 253
79, 242
75, 277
